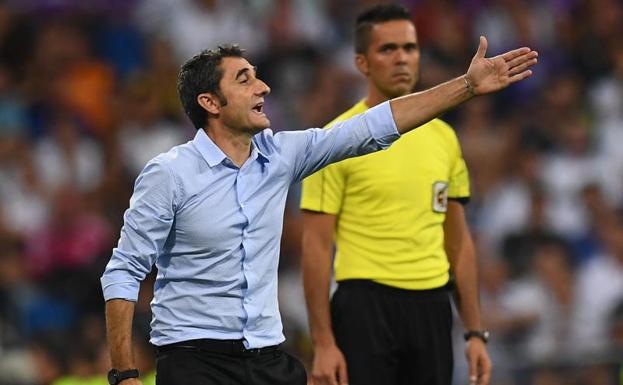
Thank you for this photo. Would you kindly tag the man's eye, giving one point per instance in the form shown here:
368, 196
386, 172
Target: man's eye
244, 81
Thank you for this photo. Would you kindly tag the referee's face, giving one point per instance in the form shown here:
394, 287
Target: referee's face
392, 60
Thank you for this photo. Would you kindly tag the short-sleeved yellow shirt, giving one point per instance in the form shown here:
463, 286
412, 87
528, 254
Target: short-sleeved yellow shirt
391, 205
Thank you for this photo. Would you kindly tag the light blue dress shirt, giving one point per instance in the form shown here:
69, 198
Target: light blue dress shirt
213, 229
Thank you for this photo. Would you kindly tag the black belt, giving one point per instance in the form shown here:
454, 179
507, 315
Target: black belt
233, 347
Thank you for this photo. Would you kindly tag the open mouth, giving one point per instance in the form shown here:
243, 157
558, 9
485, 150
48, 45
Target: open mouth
259, 108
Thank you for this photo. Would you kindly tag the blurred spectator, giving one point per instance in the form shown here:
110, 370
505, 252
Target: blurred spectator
65, 77
16, 293
193, 25
13, 118
607, 101
599, 291
144, 132
24, 206
71, 240
509, 206
567, 171
67, 157
485, 143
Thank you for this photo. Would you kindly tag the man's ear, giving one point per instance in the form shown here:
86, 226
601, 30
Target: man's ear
362, 64
210, 103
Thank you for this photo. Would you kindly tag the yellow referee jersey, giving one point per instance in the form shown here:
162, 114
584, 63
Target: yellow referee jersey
391, 205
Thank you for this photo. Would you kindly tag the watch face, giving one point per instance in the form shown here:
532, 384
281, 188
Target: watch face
113, 374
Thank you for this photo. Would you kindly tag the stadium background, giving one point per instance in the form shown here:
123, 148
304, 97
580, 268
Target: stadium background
87, 96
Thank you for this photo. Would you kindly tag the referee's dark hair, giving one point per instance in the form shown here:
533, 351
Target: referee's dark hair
202, 74
376, 15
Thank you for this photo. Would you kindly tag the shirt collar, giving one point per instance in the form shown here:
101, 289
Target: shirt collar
208, 149
256, 148
212, 154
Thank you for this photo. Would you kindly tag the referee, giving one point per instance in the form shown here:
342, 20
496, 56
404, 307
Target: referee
398, 223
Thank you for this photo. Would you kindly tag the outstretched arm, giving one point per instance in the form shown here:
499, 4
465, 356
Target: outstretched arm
484, 75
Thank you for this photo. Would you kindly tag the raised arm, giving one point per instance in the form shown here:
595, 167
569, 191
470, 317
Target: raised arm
484, 75
380, 126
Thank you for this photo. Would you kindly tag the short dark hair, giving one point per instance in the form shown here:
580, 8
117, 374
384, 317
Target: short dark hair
378, 14
203, 74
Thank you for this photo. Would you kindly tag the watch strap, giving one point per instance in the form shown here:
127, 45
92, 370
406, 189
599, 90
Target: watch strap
483, 335
115, 376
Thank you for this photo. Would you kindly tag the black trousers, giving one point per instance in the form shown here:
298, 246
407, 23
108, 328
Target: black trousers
226, 362
393, 336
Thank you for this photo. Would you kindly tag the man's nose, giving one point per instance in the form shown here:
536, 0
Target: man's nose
263, 88
401, 56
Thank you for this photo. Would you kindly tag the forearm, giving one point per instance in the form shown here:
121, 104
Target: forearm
415, 109
316, 280
316, 261
119, 315
463, 264
466, 280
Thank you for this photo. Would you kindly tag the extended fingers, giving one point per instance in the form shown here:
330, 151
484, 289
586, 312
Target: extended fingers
522, 59
519, 76
522, 66
510, 55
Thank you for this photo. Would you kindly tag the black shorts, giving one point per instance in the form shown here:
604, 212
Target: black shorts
226, 362
393, 336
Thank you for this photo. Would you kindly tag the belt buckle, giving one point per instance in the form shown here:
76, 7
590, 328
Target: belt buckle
253, 351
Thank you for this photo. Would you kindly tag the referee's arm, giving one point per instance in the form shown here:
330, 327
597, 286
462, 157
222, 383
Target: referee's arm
329, 366
463, 264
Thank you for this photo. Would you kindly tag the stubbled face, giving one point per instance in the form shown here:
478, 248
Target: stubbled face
392, 60
244, 93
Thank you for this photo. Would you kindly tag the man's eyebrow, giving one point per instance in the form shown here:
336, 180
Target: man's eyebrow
244, 71
388, 45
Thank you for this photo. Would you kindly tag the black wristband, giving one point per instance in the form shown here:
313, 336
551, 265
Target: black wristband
115, 376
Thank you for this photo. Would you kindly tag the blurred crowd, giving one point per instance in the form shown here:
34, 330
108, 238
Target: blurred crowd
88, 96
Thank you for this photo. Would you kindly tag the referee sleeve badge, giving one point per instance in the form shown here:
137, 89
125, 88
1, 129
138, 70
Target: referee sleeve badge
440, 197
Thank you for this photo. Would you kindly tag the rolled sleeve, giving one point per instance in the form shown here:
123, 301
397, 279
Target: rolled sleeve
147, 224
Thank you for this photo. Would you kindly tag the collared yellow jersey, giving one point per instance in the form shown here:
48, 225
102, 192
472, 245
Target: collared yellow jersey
390, 206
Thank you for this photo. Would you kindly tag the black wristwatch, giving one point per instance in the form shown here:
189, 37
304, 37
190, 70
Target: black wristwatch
482, 334
115, 376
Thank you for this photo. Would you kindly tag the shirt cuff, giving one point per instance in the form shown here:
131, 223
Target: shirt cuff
120, 290
381, 124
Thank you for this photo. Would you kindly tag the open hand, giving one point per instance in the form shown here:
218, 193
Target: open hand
486, 75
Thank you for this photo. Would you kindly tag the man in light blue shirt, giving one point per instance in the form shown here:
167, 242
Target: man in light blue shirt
209, 215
